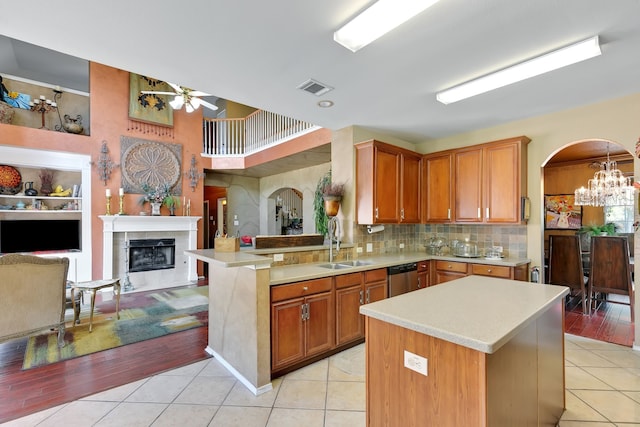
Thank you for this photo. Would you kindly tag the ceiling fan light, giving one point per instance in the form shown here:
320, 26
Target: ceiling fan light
195, 102
177, 102
189, 108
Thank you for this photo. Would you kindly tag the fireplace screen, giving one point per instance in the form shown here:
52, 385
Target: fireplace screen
151, 254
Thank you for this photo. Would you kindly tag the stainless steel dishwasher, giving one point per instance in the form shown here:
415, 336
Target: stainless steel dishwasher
402, 278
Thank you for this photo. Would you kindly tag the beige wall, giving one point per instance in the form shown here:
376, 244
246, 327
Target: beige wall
303, 180
615, 120
242, 200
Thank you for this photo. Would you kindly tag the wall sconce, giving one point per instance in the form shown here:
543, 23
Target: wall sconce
193, 174
105, 164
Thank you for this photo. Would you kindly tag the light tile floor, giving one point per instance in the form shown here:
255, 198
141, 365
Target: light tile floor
602, 381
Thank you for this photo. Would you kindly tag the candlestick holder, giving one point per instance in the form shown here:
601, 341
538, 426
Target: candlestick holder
121, 211
108, 206
43, 106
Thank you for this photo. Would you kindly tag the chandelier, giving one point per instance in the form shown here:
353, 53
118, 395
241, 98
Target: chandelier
609, 187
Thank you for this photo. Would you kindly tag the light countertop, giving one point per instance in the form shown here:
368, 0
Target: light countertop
481, 313
229, 259
299, 272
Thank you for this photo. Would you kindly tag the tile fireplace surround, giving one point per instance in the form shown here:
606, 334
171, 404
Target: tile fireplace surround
118, 230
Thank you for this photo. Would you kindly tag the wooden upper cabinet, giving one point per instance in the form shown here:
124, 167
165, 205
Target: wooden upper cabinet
490, 181
387, 184
438, 187
410, 185
503, 181
468, 185
386, 191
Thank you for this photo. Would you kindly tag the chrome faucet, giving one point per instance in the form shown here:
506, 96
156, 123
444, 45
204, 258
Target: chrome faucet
333, 226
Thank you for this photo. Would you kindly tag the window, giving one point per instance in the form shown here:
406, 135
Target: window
621, 216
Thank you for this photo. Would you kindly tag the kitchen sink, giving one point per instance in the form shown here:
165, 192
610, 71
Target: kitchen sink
334, 266
355, 263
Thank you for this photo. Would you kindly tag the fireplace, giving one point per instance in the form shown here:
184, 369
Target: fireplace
120, 230
151, 254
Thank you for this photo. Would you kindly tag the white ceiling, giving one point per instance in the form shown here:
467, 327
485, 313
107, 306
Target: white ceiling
257, 53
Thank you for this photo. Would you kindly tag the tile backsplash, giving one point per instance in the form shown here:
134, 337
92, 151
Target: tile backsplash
415, 237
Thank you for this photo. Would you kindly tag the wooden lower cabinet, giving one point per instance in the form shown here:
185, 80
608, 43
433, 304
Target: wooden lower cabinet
445, 271
349, 298
353, 290
499, 271
423, 274
375, 285
318, 316
302, 321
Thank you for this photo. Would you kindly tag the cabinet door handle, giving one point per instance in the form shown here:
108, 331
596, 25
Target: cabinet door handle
376, 213
368, 296
488, 270
303, 312
308, 311
449, 213
305, 288
402, 214
361, 297
479, 216
487, 212
419, 284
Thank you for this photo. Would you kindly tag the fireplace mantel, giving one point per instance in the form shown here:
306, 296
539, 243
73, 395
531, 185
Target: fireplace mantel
113, 224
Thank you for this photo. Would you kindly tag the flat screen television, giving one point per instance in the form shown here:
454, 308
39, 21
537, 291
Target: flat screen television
40, 235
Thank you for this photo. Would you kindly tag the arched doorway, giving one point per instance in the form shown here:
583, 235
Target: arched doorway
565, 170
287, 217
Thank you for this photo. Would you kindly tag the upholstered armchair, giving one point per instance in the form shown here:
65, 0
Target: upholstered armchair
32, 295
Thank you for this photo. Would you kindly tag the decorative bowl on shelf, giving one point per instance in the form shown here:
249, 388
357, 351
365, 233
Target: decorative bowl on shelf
10, 180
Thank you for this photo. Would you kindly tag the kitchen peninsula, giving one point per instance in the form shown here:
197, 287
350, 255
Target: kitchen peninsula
476, 351
242, 300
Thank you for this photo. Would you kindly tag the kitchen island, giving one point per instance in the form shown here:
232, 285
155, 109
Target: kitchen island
476, 351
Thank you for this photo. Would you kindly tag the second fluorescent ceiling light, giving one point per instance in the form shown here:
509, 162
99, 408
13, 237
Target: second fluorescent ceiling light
382, 17
539, 65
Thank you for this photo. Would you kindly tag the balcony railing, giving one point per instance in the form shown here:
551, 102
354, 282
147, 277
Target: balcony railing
243, 136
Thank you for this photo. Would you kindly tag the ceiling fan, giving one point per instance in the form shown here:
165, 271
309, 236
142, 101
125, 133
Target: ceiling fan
184, 96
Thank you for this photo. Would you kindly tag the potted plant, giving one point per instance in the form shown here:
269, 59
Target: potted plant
158, 196
171, 202
608, 229
319, 214
586, 231
332, 195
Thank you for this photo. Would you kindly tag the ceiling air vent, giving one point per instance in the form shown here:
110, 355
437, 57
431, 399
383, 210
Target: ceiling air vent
314, 87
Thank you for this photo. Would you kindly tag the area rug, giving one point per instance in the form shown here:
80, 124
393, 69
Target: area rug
142, 317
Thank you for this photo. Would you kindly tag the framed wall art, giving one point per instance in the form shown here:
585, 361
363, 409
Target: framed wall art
149, 107
561, 213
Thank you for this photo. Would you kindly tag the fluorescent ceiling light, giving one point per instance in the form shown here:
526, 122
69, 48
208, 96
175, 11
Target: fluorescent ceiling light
382, 17
539, 65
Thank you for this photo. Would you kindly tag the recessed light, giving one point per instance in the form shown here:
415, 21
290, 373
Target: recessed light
325, 103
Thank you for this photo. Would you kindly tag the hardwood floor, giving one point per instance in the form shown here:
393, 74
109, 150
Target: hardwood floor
610, 322
25, 392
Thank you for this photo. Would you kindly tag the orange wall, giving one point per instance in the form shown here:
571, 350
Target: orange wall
109, 104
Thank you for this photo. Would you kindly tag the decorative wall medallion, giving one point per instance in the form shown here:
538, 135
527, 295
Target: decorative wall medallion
150, 162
